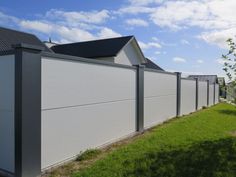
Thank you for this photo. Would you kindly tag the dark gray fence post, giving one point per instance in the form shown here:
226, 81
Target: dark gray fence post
208, 92
140, 98
197, 89
27, 110
178, 96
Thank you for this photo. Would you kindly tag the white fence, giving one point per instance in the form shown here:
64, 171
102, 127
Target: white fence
87, 107
87, 104
202, 94
159, 97
217, 93
211, 95
188, 96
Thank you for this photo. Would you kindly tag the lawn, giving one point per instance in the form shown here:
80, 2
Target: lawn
202, 144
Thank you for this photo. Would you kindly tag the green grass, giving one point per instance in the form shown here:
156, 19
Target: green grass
198, 145
89, 154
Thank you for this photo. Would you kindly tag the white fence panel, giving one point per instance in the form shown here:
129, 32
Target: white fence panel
217, 94
188, 96
84, 106
159, 97
211, 95
7, 75
202, 94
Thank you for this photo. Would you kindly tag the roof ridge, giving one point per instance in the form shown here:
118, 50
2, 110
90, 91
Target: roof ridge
95, 40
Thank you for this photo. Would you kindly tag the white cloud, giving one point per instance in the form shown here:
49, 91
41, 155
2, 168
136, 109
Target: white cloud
157, 52
155, 39
107, 33
184, 42
220, 61
179, 60
73, 34
135, 10
65, 26
154, 44
7, 19
74, 17
186, 13
144, 2
149, 45
36, 25
216, 18
136, 22
200, 61
218, 37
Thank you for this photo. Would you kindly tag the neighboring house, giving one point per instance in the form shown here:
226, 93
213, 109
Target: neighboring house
9, 37
121, 50
221, 81
150, 64
231, 92
211, 78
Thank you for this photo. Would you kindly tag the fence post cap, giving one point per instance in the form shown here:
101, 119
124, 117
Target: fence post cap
28, 46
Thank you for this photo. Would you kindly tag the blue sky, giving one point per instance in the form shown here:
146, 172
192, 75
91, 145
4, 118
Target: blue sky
186, 36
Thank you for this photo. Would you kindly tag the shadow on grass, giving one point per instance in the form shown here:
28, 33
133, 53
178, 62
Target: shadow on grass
207, 159
228, 112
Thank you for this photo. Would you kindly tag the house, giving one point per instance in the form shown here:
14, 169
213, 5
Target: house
121, 50
9, 37
213, 79
150, 64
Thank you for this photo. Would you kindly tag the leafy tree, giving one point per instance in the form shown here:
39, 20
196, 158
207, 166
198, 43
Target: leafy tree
230, 60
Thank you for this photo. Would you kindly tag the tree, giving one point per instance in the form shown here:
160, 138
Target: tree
230, 60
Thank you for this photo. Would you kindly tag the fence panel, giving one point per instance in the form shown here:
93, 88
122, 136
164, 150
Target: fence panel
217, 94
211, 94
202, 94
188, 96
7, 88
84, 105
159, 97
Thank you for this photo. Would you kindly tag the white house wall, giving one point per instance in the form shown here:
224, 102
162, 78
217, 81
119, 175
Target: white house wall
84, 106
202, 94
7, 139
128, 56
188, 96
159, 97
211, 94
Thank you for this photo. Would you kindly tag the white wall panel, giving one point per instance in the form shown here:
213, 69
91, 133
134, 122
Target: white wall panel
7, 113
159, 97
217, 94
69, 83
84, 106
188, 96
202, 94
211, 95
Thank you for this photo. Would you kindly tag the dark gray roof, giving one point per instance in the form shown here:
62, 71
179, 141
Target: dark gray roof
9, 37
150, 64
93, 49
212, 78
